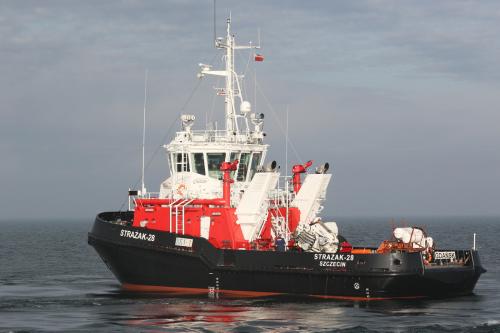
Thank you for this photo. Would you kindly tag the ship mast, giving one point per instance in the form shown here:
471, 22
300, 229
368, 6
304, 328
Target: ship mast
232, 88
229, 93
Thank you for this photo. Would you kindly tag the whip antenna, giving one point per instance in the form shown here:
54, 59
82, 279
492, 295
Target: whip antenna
215, 22
143, 188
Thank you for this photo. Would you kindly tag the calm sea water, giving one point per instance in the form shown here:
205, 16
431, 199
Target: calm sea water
51, 280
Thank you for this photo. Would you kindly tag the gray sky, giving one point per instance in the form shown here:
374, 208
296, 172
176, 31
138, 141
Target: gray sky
401, 97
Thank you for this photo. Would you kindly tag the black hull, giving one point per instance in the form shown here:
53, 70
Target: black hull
151, 261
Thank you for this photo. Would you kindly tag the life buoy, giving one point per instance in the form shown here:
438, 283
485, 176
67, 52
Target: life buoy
181, 189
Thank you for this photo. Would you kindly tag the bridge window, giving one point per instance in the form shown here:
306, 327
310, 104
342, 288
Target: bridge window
199, 163
214, 162
233, 156
181, 162
243, 167
255, 163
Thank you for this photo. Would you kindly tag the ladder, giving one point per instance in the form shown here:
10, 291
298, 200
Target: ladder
180, 210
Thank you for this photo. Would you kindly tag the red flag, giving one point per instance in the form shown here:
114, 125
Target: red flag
259, 57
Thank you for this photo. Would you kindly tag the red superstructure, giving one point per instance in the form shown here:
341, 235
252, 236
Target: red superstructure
184, 216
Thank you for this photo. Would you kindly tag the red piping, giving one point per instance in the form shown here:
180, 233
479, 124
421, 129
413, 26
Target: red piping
297, 170
227, 167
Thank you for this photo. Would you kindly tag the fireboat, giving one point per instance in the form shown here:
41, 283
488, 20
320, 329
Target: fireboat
225, 223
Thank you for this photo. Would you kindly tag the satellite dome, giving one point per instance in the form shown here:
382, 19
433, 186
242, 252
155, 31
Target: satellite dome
245, 107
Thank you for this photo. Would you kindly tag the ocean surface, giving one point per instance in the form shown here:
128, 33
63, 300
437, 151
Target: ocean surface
52, 281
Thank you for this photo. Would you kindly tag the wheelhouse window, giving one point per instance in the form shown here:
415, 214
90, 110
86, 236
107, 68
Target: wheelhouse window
199, 163
234, 156
214, 161
181, 162
243, 167
255, 163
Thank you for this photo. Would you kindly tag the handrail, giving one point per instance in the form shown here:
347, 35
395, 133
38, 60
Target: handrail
177, 214
183, 213
218, 136
170, 212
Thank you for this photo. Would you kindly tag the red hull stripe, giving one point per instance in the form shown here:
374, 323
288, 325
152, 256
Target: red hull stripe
194, 291
242, 293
